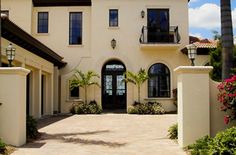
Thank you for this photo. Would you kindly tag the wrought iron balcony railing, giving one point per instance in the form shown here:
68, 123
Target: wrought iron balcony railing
154, 35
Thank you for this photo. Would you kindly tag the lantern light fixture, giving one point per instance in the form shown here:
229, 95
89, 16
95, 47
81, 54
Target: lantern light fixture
113, 43
192, 52
142, 14
10, 53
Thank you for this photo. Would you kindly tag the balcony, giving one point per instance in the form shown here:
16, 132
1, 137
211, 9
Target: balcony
155, 38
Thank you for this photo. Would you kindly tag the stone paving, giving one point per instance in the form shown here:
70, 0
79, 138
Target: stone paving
106, 134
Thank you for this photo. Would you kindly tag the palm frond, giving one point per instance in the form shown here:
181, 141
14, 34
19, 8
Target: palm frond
136, 78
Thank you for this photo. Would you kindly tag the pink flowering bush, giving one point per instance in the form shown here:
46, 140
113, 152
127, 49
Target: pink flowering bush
227, 97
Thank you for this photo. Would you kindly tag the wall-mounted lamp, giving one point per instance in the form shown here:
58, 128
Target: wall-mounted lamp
10, 53
192, 52
142, 14
113, 43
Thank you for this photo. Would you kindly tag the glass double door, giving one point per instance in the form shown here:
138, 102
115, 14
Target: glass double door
114, 87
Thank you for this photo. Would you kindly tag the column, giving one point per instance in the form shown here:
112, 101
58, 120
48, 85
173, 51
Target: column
13, 108
193, 103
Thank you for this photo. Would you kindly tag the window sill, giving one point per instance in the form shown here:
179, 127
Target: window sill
114, 28
74, 100
75, 46
42, 34
158, 98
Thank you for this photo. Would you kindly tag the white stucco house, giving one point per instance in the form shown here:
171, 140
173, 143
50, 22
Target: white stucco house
108, 37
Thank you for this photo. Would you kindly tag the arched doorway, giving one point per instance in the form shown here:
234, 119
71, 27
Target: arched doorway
113, 86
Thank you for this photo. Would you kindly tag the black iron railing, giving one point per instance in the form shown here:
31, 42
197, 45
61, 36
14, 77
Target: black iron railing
152, 35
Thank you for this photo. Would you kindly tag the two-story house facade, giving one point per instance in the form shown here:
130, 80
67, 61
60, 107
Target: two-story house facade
110, 37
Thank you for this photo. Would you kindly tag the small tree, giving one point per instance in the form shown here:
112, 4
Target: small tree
137, 79
216, 62
84, 80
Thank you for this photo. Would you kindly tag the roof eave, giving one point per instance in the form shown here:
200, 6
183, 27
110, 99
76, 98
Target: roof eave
23, 39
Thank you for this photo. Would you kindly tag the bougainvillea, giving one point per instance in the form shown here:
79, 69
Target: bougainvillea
227, 98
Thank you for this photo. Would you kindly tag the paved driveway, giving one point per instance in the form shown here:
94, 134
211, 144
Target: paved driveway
107, 134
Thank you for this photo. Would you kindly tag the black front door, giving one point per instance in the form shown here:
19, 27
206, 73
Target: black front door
158, 25
113, 86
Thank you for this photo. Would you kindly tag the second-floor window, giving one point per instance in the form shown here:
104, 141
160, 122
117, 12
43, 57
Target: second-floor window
158, 25
113, 18
75, 28
5, 12
42, 22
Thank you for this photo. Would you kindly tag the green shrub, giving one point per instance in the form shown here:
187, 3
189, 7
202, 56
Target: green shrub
201, 147
173, 131
146, 108
133, 110
31, 128
2, 146
90, 108
224, 143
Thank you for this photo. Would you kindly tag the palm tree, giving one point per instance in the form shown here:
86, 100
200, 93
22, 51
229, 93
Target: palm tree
137, 79
227, 38
84, 80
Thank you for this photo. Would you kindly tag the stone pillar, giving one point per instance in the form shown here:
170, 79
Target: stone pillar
193, 103
13, 108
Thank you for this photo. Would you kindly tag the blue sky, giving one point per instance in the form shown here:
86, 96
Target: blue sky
204, 17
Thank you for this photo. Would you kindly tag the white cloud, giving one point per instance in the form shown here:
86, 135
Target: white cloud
234, 17
207, 16
192, 1
198, 35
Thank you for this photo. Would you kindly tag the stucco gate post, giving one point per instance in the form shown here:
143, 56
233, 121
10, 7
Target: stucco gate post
13, 108
193, 103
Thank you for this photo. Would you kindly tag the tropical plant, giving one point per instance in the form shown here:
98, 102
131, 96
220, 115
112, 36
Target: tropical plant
224, 143
216, 62
86, 108
173, 131
150, 108
201, 146
137, 79
226, 38
84, 80
2, 146
31, 128
227, 97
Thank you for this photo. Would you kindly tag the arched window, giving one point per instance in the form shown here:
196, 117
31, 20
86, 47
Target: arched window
159, 82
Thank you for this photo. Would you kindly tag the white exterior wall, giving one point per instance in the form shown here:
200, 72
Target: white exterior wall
96, 50
20, 12
37, 66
